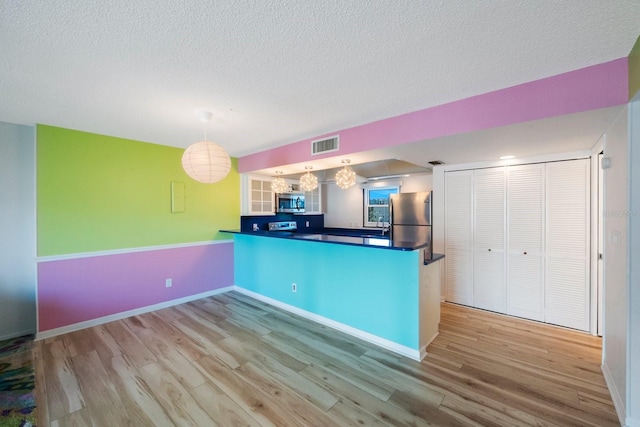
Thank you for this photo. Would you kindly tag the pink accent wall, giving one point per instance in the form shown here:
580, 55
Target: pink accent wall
77, 290
599, 86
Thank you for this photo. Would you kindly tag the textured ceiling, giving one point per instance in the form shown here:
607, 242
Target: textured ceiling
281, 71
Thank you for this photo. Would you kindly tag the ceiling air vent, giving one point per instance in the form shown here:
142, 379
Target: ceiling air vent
325, 145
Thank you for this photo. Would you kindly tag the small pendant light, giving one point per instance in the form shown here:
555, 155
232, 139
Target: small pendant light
308, 181
346, 177
279, 185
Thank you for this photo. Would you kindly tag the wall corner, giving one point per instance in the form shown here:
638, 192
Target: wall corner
634, 71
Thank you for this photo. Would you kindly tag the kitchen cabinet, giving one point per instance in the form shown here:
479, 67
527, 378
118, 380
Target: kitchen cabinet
257, 196
313, 201
517, 240
395, 305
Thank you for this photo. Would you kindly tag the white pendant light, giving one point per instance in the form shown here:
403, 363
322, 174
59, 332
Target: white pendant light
308, 181
206, 161
346, 177
279, 185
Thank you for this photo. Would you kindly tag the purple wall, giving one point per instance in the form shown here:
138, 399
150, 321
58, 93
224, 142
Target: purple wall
598, 86
82, 289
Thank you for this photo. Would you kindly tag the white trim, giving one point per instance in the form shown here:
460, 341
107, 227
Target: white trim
583, 154
365, 201
618, 402
382, 183
124, 314
366, 336
594, 311
423, 349
129, 250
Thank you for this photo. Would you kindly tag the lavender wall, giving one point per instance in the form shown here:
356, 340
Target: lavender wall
82, 289
598, 86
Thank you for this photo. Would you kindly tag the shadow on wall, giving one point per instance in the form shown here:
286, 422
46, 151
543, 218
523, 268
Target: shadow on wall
17, 309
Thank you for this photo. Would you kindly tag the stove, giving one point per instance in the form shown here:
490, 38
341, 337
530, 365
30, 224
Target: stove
283, 226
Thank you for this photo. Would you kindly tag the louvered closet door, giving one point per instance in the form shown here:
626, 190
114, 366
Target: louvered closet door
567, 244
489, 286
459, 236
525, 231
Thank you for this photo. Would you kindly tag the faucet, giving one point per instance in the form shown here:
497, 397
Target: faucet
380, 223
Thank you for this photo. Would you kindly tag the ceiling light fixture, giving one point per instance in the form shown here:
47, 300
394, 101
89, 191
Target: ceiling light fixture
279, 185
506, 157
308, 181
346, 177
206, 161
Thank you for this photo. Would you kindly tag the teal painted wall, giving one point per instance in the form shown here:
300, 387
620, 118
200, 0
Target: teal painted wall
374, 290
97, 192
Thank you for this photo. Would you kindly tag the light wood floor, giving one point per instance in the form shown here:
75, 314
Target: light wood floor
230, 360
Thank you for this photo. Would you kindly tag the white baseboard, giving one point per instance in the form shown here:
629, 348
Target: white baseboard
17, 334
423, 349
129, 313
365, 336
618, 402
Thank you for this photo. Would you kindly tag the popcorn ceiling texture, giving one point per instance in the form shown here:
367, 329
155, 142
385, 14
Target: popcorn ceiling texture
278, 72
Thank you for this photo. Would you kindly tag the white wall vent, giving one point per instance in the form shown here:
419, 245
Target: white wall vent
325, 145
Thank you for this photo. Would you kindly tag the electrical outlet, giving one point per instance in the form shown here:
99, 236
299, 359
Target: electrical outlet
168, 283
294, 287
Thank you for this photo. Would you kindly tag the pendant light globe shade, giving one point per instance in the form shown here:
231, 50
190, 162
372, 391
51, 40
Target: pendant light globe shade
308, 182
279, 185
345, 178
206, 162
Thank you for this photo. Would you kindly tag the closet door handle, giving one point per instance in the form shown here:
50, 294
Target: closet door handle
489, 249
525, 253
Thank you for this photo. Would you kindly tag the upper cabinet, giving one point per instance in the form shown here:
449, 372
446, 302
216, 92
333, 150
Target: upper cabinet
257, 196
313, 201
259, 199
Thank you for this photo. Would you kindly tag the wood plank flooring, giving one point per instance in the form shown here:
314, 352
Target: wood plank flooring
230, 360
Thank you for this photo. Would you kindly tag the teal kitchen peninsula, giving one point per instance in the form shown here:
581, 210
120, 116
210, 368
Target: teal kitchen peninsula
379, 290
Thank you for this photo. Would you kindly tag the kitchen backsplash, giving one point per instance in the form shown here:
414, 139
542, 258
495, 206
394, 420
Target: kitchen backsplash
316, 222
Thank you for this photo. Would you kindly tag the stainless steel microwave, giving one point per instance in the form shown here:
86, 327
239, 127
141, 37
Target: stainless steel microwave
290, 202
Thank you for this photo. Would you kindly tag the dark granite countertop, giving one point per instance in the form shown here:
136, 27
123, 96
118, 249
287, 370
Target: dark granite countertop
372, 242
434, 258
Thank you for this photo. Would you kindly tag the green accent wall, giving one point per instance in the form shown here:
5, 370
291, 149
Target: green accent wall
634, 70
97, 192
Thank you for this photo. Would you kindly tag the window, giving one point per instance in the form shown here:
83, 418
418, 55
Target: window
376, 205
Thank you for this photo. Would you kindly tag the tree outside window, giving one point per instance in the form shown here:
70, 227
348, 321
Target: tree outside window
376, 205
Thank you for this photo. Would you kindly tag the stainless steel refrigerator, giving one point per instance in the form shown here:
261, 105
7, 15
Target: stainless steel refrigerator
410, 217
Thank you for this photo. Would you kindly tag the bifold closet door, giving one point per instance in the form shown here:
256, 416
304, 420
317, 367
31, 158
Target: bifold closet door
459, 237
525, 247
567, 244
489, 290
